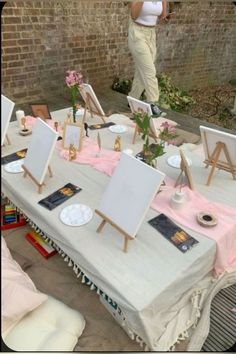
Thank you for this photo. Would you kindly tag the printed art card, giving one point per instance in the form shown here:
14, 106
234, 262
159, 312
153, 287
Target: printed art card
13, 157
100, 126
173, 233
59, 196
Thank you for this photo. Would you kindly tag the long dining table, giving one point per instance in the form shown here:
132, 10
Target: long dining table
155, 292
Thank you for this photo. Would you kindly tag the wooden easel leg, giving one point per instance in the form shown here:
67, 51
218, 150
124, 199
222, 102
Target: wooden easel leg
84, 115
50, 171
125, 249
40, 189
100, 227
229, 162
215, 157
8, 140
25, 174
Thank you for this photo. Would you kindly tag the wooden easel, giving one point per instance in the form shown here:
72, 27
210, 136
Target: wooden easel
184, 170
89, 105
215, 162
8, 140
105, 220
137, 130
26, 172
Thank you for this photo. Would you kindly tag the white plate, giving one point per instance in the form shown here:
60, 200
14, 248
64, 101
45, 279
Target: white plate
174, 161
14, 166
118, 128
76, 214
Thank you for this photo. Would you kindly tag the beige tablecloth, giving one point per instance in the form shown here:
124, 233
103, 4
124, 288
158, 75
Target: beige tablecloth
159, 290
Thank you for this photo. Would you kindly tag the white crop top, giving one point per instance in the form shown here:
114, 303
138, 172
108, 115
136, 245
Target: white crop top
149, 13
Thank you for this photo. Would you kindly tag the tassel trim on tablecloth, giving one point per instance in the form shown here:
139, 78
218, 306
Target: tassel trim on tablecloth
85, 280
80, 274
195, 300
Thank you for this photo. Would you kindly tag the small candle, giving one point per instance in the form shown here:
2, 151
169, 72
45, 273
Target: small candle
20, 114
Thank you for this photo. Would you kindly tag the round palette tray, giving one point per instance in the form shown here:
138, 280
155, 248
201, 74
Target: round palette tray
118, 129
14, 166
206, 219
76, 215
175, 160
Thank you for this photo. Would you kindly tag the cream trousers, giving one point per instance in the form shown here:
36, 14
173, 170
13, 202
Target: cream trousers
142, 44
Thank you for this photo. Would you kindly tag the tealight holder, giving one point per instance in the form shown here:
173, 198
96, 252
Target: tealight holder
178, 199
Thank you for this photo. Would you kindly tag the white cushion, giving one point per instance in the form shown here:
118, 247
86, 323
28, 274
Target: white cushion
53, 326
19, 294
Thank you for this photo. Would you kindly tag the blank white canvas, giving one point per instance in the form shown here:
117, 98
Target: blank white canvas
140, 106
212, 137
6, 112
40, 150
95, 105
130, 192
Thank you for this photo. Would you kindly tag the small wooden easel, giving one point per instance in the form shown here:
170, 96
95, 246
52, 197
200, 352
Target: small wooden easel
91, 106
138, 130
105, 220
40, 185
8, 140
215, 162
184, 170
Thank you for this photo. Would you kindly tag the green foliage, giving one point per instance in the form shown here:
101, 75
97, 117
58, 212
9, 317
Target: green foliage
170, 96
233, 82
152, 151
122, 85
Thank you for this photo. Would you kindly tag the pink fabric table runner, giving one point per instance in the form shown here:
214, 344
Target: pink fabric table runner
224, 233
105, 161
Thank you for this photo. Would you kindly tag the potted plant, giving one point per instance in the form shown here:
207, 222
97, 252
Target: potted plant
166, 136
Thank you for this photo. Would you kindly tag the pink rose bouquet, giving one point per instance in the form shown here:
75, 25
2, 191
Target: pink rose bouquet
73, 80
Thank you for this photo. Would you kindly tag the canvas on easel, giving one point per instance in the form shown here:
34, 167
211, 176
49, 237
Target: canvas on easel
128, 196
220, 151
91, 102
138, 106
6, 112
185, 170
39, 153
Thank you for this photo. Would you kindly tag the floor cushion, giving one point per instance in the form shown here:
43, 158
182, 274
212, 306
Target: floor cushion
19, 294
52, 326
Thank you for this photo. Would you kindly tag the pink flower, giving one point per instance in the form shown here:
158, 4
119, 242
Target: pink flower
165, 125
73, 78
172, 142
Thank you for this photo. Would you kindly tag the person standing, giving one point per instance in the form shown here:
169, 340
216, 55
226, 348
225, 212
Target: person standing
142, 44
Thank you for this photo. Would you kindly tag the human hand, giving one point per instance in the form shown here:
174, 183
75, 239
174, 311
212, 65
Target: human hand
167, 17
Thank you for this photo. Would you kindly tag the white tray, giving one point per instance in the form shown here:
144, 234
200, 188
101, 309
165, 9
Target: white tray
118, 129
14, 166
76, 215
174, 161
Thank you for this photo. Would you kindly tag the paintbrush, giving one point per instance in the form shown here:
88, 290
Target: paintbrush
99, 145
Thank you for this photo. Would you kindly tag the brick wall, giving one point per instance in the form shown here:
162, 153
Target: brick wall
42, 39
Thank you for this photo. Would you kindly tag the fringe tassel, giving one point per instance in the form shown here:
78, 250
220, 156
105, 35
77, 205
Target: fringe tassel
78, 273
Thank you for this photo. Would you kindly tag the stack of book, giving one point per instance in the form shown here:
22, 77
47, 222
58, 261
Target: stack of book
10, 217
40, 244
